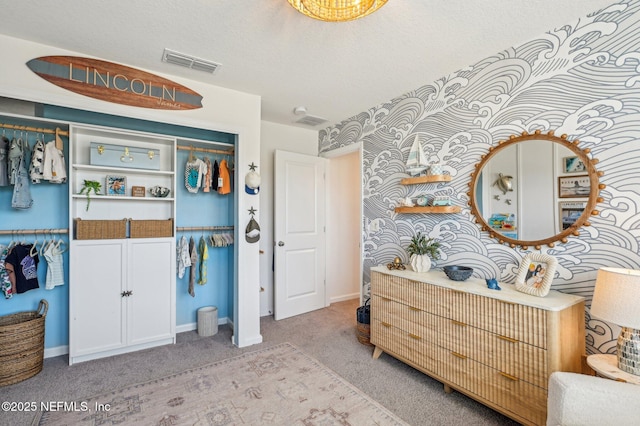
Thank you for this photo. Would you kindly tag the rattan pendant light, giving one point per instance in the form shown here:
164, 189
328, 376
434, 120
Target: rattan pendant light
337, 10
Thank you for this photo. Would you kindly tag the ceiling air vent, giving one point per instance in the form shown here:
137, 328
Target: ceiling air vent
177, 58
310, 120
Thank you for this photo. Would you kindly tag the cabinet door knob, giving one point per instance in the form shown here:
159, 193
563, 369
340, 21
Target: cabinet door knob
280, 243
124, 294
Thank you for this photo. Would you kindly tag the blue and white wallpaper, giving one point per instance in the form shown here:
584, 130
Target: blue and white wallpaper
583, 80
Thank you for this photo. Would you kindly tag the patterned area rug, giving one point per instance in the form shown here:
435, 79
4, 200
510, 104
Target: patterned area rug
280, 385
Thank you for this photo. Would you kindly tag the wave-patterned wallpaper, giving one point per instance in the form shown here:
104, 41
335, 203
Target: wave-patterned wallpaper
581, 79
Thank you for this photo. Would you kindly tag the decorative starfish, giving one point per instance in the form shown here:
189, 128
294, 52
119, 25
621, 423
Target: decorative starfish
252, 211
252, 167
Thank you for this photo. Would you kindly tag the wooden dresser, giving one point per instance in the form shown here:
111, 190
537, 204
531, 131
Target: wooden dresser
497, 347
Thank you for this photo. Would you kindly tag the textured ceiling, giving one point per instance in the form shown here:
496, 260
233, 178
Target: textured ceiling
335, 70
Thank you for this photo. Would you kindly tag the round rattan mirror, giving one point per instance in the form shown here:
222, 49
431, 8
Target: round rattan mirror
535, 189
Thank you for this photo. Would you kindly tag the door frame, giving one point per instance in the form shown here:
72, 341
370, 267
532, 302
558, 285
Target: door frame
339, 152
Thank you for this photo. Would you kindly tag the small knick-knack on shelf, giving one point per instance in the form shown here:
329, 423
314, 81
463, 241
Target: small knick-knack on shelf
421, 250
90, 186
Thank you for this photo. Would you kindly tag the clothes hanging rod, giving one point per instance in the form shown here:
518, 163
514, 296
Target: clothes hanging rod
57, 131
21, 232
196, 149
204, 228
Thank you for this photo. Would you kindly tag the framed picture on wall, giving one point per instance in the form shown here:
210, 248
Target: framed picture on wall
570, 211
573, 165
116, 185
536, 274
574, 186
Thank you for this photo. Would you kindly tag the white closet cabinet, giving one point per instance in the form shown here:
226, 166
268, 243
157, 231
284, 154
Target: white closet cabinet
122, 297
122, 287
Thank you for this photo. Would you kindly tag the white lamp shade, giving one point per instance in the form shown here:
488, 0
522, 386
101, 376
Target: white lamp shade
616, 298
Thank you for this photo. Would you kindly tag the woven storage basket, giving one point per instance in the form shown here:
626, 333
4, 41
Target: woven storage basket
150, 228
22, 348
100, 229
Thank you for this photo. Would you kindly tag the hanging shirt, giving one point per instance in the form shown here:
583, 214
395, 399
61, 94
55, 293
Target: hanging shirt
216, 175
5, 283
193, 254
193, 175
224, 182
183, 257
204, 255
36, 168
206, 183
4, 161
54, 170
22, 268
55, 269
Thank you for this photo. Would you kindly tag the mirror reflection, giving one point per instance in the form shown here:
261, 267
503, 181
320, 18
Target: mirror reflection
534, 189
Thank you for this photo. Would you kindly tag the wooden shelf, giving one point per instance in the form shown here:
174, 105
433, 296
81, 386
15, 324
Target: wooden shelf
429, 209
426, 179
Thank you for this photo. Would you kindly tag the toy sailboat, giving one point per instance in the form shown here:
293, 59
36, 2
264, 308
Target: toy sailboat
417, 162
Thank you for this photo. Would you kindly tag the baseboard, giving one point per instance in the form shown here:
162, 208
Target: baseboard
56, 351
194, 325
344, 297
64, 349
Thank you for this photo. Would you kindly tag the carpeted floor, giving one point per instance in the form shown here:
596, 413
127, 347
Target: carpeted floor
327, 335
276, 385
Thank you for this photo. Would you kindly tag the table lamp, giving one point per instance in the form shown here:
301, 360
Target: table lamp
616, 299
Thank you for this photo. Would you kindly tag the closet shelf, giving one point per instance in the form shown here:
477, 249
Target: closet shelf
122, 170
121, 197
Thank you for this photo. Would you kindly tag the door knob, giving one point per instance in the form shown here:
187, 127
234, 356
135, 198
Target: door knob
280, 243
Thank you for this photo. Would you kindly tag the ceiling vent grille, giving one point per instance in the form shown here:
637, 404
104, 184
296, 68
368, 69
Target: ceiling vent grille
310, 120
177, 58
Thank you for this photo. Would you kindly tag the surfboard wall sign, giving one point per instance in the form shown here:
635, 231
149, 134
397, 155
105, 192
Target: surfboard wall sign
115, 83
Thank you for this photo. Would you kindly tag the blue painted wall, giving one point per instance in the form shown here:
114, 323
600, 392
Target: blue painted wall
51, 210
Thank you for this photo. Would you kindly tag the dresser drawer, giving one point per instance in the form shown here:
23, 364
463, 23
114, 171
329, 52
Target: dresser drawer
511, 356
402, 344
522, 323
429, 298
509, 392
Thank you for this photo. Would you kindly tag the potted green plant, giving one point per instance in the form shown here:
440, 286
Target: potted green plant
421, 250
90, 186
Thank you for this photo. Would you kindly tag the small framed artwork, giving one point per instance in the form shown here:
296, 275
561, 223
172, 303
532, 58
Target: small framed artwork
574, 186
536, 274
570, 211
116, 185
138, 191
573, 165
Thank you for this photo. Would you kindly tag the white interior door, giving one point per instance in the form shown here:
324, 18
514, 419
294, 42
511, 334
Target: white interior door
299, 225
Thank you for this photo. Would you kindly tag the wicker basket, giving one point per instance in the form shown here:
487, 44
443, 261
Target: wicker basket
363, 333
100, 229
22, 348
150, 228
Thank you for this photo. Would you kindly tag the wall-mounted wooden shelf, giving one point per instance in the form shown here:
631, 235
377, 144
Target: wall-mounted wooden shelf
426, 179
429, 209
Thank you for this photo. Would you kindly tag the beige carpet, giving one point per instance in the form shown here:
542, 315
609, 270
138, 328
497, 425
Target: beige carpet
280, 385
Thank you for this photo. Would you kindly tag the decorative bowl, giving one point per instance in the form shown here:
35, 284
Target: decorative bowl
159, 191
458, 273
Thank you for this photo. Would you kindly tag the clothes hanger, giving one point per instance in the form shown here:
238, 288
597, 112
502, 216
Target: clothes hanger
34, 247
59, 143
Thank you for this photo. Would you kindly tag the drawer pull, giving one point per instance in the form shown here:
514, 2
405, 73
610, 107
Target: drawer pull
461, 324
509, 376
458, 291
414, 336
507, 303
411, 308
508, 339
385, 324
456, 354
